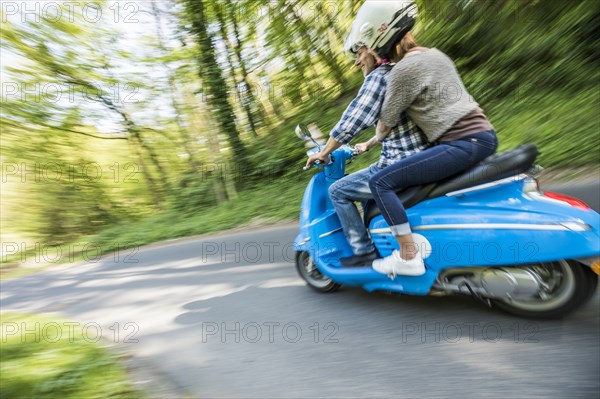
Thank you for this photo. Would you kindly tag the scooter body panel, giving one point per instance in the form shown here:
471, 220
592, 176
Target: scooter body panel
496, 226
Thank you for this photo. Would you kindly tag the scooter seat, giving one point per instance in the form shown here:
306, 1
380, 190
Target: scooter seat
498, 166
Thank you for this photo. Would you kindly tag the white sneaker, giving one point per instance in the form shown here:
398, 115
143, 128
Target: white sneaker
423, 244
394, 264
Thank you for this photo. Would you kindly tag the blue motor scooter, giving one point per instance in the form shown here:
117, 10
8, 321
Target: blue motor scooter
488, 232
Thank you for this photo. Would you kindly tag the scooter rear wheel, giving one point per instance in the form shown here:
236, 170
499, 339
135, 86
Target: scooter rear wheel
568, 285
307, 269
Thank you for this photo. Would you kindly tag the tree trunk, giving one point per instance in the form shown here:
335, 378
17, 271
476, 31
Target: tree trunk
134, 131
329, 61
184, 134
156, 200
209, 72
229, 50
197, 120
251, 99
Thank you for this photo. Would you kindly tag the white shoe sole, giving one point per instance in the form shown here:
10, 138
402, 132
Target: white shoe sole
397, 269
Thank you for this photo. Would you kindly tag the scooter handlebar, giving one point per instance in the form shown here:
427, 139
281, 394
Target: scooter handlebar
317, 162
353, 151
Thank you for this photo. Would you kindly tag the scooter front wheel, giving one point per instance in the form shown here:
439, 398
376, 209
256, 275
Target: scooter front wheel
307, 269
567, 286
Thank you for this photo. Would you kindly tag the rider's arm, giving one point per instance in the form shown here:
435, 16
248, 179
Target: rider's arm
382, 131
367, 145
331, 145
363, 111
402, 91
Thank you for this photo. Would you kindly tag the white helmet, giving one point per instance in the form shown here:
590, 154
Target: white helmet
380, 24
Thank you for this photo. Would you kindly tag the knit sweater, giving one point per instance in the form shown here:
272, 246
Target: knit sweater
427, 85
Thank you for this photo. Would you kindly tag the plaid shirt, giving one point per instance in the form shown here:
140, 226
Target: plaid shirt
404, 140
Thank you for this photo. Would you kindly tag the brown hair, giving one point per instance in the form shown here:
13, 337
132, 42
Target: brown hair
403, 46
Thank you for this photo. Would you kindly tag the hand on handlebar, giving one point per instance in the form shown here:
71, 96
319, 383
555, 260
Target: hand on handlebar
362, 147
316, 159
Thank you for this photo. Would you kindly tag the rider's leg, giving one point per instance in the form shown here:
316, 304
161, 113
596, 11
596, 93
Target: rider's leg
343, 194
436, 163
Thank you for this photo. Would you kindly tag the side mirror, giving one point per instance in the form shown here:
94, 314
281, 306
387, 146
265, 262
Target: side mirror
302, 132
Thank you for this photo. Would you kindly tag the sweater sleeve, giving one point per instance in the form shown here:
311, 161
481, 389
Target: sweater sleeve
402, 90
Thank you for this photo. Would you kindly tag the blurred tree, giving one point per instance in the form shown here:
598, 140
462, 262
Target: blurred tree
214, 85
185, 136
314, 39
84, 77
230, 51
531, 64
251, 104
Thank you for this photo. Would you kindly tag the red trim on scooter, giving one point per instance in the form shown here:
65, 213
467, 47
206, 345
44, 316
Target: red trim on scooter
574, 202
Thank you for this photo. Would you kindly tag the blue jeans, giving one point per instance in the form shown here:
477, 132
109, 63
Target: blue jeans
436, 163
344, 193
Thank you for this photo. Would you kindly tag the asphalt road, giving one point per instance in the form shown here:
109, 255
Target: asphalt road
227, 316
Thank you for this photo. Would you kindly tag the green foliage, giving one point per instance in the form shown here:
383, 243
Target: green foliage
532, 66
195, 191
53, 363
197, 136
210, 71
